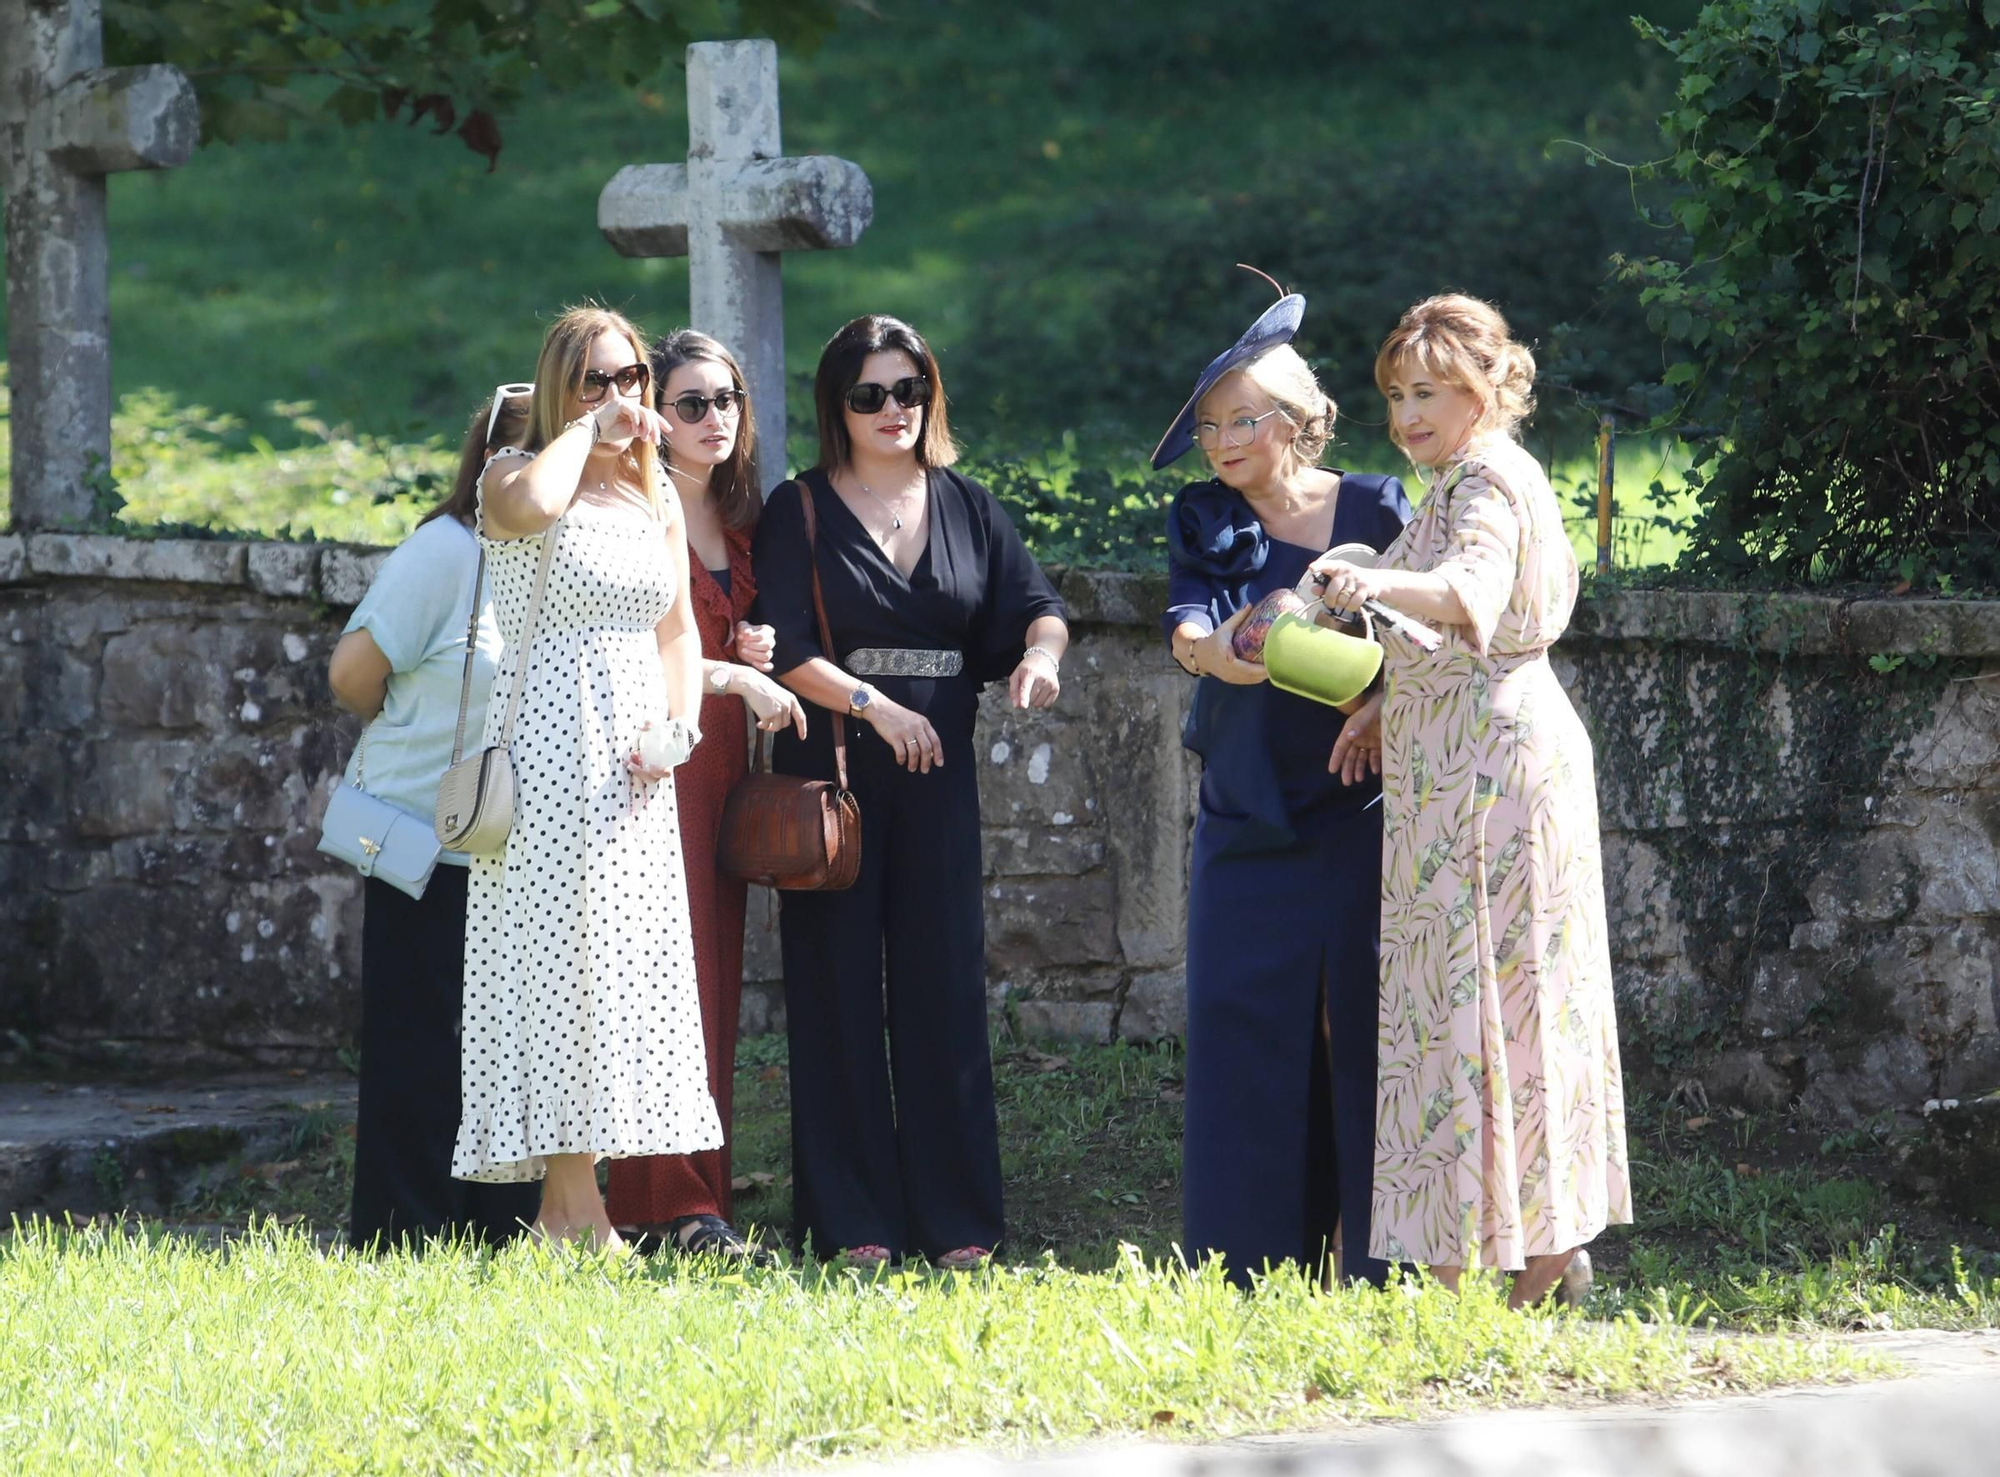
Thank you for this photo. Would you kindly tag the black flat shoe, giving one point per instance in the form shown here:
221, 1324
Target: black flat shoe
711, 1235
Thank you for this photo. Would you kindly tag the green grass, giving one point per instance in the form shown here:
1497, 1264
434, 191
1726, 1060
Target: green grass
160, 1348
157, 1354
1090, 1147
1751, 1222
1760, 1223
1060, 193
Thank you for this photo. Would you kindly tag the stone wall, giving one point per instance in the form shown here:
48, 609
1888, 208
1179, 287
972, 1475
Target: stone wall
167, 745
1801, 804
1800, 844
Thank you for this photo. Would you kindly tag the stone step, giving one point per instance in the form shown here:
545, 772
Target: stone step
104, 1147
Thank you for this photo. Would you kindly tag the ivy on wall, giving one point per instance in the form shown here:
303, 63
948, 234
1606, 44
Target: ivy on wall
1742, 766
1833, 326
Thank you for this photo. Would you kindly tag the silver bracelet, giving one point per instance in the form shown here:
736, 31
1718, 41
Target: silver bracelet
596, 434
1055, 663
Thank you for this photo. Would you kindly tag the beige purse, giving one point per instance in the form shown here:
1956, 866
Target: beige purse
475, 804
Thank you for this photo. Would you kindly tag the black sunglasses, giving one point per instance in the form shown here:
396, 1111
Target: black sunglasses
596, 382
693, 406
909, 392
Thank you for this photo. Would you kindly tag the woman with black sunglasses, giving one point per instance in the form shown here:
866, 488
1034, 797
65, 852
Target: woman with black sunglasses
929, 595
708, 447
582, 1027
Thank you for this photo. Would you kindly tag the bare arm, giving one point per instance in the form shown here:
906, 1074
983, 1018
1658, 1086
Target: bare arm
1051, 632
819, 681
1037, 680
358, 673
525, 497
678, 636
908, 733
1428, 597
1213, 653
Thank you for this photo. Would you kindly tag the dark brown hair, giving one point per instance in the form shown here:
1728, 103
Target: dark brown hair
510, 428
732, 485
840, 369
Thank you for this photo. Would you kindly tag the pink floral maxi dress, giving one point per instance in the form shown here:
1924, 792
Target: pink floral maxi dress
1500, 1120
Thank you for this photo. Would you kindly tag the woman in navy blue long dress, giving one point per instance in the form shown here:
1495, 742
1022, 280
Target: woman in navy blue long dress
1283, 905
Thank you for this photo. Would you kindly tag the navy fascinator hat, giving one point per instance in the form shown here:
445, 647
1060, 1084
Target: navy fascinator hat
1274, 326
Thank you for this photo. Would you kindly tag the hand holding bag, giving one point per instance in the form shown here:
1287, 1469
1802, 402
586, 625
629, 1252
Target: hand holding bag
784, 831
376, 838
475, 804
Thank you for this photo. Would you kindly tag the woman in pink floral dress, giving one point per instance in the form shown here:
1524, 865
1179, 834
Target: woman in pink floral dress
1500, 1126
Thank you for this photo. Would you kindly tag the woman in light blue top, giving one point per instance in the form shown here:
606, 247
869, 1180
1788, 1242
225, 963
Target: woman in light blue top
400, 665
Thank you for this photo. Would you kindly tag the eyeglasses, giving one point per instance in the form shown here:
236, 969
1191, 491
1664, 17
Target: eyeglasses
909, 392
1239, 432
693, 406
501, 395
596, 382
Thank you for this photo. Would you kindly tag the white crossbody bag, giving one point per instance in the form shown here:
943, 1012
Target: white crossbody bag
475, 804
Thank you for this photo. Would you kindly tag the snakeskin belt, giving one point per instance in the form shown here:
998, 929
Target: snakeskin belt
898, 661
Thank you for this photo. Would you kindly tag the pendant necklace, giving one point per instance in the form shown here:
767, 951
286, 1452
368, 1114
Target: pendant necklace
894, 517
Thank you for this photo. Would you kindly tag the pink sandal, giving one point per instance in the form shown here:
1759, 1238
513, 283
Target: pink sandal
965, 1259
866, 1258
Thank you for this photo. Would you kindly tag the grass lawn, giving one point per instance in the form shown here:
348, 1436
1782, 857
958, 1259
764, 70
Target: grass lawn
300, 328
154, 1347
162, 1356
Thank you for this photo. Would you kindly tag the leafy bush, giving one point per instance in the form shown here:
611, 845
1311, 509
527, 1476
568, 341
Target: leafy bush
186, 471
1086, 516
1835, 318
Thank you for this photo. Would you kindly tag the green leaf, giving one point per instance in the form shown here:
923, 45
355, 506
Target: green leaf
353, 105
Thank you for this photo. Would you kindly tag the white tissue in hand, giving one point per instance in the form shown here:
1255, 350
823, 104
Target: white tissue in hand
666, 745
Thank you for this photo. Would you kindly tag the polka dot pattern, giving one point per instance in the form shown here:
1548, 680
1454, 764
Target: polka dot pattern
582, 1026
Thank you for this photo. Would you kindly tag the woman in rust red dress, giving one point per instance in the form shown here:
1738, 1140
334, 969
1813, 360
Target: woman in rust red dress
683, 1200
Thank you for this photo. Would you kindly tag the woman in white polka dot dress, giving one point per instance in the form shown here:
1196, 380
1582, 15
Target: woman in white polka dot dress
582, 1025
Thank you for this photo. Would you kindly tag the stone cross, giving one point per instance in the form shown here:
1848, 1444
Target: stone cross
731, 209
67, 121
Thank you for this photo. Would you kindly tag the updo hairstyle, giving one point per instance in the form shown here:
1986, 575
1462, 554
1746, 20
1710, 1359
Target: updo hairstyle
1291, 385
1463, 341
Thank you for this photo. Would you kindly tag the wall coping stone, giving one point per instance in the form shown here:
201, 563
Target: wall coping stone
1779, 622
161, 561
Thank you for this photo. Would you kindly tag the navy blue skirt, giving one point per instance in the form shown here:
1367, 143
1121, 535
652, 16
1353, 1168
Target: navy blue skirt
1282, 989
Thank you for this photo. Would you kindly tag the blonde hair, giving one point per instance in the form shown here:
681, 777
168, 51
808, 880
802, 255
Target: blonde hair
1463, 341
1292, 386
559, 380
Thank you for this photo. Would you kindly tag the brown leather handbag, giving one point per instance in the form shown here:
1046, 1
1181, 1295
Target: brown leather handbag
784, 831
